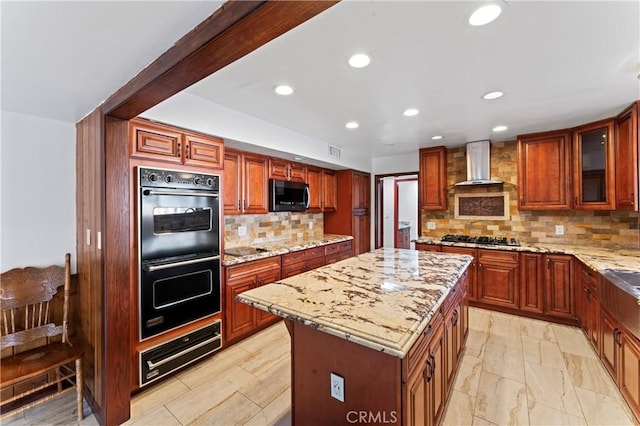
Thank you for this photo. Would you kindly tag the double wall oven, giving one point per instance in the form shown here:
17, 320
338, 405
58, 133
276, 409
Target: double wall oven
179, 259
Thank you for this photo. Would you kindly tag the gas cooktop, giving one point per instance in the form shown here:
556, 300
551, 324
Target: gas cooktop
490, 241
244, 251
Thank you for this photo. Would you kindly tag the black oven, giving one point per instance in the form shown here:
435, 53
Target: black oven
179, 248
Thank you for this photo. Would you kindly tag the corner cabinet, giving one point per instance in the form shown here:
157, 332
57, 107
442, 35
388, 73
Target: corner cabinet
559, 285
626, 159
432, 179
593, 166
544, 177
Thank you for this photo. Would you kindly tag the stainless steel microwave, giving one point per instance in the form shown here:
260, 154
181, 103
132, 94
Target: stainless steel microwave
285, 196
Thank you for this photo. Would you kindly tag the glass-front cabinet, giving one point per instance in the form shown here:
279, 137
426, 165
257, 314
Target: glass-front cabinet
593, 166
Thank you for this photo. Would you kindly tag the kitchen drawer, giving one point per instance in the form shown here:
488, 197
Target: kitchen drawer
337, 247
590, 278
497, 256
314, 263
417, 352
293, 257
293, 269
314, 252
252, 267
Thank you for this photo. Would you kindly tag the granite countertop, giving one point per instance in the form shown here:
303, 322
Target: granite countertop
283, 247
597, 258
382, 299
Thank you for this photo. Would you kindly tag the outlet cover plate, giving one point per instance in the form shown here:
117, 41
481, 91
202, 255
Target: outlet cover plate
337, 387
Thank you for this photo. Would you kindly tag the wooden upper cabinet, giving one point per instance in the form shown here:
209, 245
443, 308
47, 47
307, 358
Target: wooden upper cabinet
156, 141
201, 151
544, 177
255, 184
232, 182
593, 166
245, 183
329, 190
314, 180
626, 159
432, 180
286, 170
361, 191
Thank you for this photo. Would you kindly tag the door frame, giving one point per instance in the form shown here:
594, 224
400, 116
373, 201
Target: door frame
379, 199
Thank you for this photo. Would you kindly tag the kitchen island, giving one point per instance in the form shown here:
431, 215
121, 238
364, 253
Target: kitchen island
390, 324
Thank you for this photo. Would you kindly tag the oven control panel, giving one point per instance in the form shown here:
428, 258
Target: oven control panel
163, 178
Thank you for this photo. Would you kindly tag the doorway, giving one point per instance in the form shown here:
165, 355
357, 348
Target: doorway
397, 222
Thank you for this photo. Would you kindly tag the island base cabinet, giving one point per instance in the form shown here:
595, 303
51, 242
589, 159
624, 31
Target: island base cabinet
629, 378
371, 380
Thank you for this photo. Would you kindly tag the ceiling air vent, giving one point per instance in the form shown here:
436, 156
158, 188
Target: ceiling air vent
334, 151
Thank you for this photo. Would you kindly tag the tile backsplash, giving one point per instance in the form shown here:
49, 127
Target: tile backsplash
611, 229
271, 227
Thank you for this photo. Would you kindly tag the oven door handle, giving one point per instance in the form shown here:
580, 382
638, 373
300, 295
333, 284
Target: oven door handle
179, 193
152, 268
163, 361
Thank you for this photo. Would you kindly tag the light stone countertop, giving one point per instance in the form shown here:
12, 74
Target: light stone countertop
382, 299
283, 247
597, 258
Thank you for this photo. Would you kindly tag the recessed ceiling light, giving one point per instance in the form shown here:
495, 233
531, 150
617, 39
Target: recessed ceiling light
500, 128
436, 137
493, 95
298, 158
410, 112
283, 89
351, 125
360, 60
485, 14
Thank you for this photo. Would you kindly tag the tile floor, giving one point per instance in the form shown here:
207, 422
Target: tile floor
515, 371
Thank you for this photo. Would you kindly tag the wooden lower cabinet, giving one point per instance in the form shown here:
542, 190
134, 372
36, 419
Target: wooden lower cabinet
559, 285
472, 271
240, 319
498, 278
337, 251
532, 283
587, 305
429, 247
609, 345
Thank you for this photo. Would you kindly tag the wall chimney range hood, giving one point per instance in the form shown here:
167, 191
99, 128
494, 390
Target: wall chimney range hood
478, 164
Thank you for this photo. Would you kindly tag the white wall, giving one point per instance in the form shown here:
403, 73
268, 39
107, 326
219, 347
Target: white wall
37, 199
388, 211
395, 164
408, 205
192, 112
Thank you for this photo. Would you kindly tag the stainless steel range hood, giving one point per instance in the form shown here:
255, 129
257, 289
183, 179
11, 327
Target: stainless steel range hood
478, 164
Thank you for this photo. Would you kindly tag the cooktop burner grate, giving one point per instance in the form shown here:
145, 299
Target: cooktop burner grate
491, 241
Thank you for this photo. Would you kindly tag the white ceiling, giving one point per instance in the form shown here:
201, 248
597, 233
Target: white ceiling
560, 64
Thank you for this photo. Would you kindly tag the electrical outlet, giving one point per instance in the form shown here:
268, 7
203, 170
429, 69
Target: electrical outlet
337, 387
559, 230
431, 225
310, 225
242, 231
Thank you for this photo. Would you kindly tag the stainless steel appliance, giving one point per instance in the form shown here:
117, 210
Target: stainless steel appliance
179, 248
490, 241
286, 196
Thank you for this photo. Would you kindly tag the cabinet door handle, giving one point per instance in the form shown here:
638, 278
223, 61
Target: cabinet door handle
576, 200
428, 368
616, 336
238, 205
178, 152
433, 364
186, 149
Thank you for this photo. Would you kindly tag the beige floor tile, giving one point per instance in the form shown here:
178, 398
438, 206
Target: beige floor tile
588, 373
155, 396
504, 361
468, 375
504, 325
479, 319
275, 334
270, 384
478, 421
191, 404
573, 341
501, 401
159, 417
540, 330
459, 410
540, 415
503, 340
476, 342
602, 410
278, 409
237, 410
261, 361
552, 388
542, 352
202, 372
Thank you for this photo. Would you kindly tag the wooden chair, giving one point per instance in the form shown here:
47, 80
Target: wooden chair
42, 363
